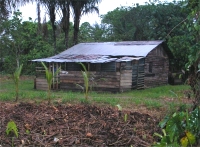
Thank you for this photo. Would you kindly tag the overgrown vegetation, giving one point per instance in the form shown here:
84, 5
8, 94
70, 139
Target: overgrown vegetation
180, 129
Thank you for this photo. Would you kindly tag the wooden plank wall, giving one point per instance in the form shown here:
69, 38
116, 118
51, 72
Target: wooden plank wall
41, 84
125, 80
160, 68
100, 81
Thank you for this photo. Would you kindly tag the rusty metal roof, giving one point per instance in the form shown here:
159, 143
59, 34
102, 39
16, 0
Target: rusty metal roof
101, 52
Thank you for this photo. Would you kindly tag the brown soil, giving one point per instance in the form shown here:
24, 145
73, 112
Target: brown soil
75, 125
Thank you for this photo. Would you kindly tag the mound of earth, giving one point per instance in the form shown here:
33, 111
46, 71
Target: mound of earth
75, 125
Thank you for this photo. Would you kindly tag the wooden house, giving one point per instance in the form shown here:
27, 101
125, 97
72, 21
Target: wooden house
112, 66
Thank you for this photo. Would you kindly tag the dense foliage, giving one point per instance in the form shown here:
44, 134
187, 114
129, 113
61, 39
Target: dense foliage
180, 129
177, 23
20, 43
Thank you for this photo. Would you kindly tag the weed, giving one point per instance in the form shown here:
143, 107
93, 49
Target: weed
69, 97
84, 101
6, 97
152, 104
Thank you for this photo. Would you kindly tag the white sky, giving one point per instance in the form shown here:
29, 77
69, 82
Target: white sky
105, 6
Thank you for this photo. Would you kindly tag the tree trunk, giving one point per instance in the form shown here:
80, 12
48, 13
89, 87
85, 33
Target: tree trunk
52, 19
65, 22
76, 29
39, 19
54, 39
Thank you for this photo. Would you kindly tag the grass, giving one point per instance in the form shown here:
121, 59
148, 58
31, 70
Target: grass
154, 98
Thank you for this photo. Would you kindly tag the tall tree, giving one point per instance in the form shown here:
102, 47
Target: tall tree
80, 7
121, 25
13, 36
193, 26
64, 5
144, 22
7, 6
85, 32
51, 7
4, 9
39, 18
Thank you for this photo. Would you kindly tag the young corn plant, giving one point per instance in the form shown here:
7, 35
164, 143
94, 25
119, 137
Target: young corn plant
49, 78
16, 79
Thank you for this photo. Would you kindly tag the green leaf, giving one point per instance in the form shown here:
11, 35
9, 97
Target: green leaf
119, 107
11, 126
184, 141
27, 132
163, 123
85, 75
125, 117
191, 137
156, 134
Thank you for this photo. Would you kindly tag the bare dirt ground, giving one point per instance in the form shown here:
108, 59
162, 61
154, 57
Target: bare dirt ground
75, 125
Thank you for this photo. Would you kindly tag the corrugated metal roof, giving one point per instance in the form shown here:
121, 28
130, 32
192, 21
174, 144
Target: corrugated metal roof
130, 48
104, 51
126, 59
78, 58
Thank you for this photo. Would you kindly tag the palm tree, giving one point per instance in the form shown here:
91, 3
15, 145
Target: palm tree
51, 7
3, 9
64, 5
39, 18
7, 6
81, 7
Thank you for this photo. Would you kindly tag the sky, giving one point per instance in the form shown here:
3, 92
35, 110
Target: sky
104, 7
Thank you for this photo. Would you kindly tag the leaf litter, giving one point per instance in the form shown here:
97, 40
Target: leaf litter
82, 125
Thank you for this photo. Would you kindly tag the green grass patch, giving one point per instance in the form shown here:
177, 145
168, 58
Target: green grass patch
151, 98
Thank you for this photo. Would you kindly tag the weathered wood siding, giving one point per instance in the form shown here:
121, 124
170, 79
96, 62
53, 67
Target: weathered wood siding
100, 81
125, 80
41, 83
156, 68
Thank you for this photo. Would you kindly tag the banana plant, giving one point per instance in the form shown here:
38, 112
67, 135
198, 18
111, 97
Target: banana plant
16, 78
49, 78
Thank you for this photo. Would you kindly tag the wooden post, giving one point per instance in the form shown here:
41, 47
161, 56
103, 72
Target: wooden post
57, 76
65, 66
88, 66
